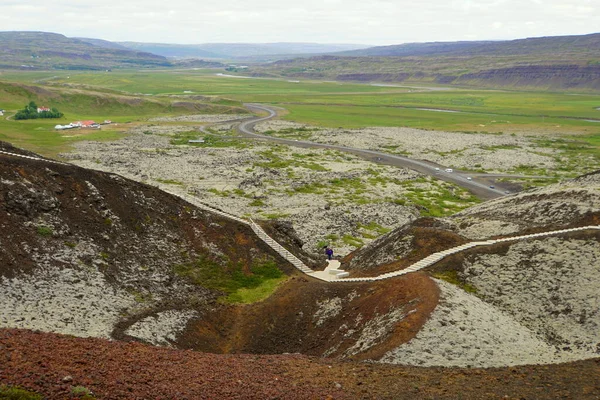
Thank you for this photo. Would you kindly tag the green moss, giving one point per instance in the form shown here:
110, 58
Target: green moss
210, 141
16, 393
81, 392
45, 231
276, 215
257, 203
374, 226
169, 181
274, 159
222, 193
352, 241
258, 293
452, 277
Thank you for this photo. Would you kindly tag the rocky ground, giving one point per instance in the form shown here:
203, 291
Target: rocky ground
530, 301
528, 154
89, 254
465, 331
62, 367
329, 197
563, 204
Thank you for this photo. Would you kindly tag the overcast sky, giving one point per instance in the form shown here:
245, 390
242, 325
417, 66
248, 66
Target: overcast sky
374, 22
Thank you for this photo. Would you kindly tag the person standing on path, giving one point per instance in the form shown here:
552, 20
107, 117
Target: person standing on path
329, 252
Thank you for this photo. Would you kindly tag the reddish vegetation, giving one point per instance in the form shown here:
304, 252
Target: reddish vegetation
118, 370
286, 323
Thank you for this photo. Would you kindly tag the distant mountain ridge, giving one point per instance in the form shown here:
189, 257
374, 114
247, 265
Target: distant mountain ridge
546, 63
529, 46
238, 50
102, 43
414, 49
43, 50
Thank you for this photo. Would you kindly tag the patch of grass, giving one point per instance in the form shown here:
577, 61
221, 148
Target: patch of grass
258, 293
275, 160
16, 393
452, 277
169, 181
44, 231
352, 241
441, 200
302, 133
276, 215
210, 141
222, 193
230, 279
309, 188
82, 393
501, 147
374, 226
257, 203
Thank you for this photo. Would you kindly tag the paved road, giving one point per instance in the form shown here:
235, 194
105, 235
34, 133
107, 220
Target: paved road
477, 186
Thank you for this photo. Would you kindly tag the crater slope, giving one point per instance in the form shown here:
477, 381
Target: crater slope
521, 302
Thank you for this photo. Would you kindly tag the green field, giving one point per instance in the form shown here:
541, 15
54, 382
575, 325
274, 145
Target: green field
359, 105
137, 95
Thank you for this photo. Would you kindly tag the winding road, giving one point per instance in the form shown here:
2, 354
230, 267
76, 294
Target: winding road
478, 184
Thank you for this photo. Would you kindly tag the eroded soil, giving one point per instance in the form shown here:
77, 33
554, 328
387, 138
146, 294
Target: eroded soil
53, 364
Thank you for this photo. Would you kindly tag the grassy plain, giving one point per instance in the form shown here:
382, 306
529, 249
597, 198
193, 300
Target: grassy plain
329, 104
350, 105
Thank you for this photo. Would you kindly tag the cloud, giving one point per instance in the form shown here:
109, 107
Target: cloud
339, 21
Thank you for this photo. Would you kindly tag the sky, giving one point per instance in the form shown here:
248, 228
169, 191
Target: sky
370, 22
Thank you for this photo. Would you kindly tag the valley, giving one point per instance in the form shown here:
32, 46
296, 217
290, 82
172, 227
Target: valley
107, 253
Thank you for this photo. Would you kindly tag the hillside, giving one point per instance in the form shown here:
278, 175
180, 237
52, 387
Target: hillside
55, 365
577, 44
173, 50
92, 254
42, 50
553, 63
532, 297
102, 43
89, 251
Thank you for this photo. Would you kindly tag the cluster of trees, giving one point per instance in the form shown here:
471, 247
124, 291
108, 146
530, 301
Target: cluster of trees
31, 112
